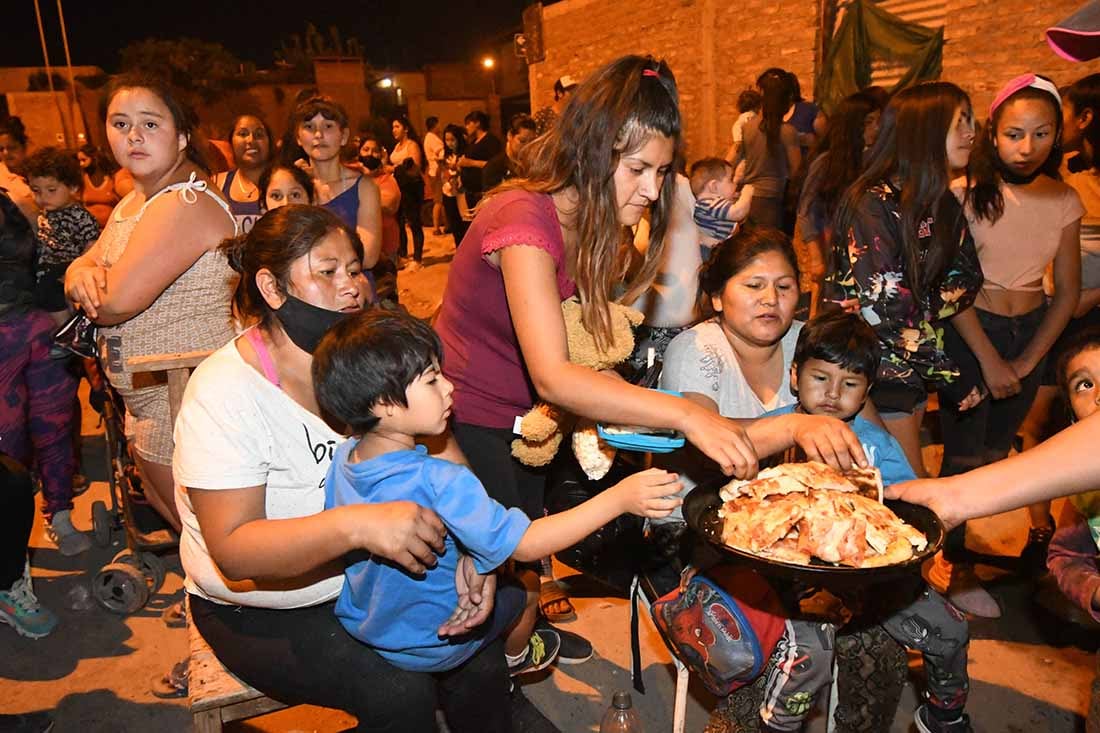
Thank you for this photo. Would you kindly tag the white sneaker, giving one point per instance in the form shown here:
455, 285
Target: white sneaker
68, 539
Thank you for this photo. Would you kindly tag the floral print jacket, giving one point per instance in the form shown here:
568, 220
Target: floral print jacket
870, 267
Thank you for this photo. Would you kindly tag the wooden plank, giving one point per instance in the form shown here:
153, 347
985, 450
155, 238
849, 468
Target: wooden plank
165, 362
208, 721
211, 685
250, 709
177, 383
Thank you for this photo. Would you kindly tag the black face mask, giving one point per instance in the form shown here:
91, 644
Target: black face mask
1011, 176
370, 162
305, 324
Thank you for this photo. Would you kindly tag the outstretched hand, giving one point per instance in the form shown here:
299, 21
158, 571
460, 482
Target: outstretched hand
476, 593
723, 441
650, 493
932, 493
828, 440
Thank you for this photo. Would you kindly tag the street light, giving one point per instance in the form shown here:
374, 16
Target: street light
490, 64
385, 83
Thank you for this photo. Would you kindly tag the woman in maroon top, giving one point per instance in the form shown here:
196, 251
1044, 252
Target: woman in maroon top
558, 232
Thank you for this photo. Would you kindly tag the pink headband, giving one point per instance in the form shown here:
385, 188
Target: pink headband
1023, 82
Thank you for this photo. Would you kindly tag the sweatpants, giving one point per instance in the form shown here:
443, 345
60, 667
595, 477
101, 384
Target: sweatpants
36, 406
802, 665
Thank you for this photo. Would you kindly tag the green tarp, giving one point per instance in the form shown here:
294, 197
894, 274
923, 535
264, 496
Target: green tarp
868, 32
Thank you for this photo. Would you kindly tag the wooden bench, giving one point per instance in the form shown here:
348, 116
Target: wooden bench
217, 696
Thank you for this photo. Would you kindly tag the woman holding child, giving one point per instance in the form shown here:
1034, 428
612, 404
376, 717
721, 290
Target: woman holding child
261, 553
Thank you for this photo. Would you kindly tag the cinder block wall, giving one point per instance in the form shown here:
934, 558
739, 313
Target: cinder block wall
716, 49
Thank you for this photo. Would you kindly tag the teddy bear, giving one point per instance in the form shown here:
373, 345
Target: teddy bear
542, 428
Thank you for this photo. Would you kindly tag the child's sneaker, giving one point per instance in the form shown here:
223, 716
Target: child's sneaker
928, 723
542, 650
68, 539
574, 648
20, 609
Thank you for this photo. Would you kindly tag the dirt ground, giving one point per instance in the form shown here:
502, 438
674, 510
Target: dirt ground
94, 671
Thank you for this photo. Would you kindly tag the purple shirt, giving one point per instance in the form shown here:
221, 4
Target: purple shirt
481, 353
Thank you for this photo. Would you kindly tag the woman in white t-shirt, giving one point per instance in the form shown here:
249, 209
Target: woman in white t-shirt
262, 556
738, 362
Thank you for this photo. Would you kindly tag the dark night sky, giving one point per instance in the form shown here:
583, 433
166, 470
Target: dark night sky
397, 33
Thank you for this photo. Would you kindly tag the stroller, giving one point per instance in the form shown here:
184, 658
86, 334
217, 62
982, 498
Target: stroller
125, 584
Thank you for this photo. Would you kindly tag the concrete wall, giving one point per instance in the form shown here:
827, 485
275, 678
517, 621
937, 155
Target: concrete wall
344, 79
16, 78
46, 117
716, 49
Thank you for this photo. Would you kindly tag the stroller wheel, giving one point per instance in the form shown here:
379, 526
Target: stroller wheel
101, 524
150, 565
120, 588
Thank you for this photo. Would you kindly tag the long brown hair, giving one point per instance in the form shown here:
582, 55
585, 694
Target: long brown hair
911, 150
613, 112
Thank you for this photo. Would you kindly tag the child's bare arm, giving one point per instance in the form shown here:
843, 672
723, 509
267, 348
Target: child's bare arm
740, 209
649, 493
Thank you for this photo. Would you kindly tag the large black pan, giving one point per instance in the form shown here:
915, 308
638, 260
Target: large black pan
701, 513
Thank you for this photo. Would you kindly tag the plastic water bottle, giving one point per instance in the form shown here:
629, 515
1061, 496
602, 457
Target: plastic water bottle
621, 716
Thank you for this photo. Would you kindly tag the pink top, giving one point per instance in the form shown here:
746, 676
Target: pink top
1015, 250
481, 353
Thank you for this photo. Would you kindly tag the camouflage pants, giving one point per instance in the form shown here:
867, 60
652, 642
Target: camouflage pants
871, 670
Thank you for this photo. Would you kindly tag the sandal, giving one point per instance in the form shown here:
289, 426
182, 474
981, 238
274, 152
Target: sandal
551, 592
174, 683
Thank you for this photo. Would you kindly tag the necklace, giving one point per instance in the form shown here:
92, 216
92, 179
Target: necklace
240, 186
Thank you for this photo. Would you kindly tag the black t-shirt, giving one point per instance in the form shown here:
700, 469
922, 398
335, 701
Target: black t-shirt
487, 148
498, 170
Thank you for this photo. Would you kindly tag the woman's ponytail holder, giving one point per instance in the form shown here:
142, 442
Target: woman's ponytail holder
233, 248
651, 72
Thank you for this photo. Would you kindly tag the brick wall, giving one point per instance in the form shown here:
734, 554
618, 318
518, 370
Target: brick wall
716, 49
988, 43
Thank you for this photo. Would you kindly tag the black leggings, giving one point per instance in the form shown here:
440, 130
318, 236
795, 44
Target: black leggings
513, 484
304, 656
412, 203
16, 519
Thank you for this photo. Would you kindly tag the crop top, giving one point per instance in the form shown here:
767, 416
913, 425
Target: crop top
1015, 250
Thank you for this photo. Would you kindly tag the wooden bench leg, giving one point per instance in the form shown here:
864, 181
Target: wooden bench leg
208, 721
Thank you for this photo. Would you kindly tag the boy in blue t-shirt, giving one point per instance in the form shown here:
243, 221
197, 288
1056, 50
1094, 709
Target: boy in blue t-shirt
378, 373
835, 362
